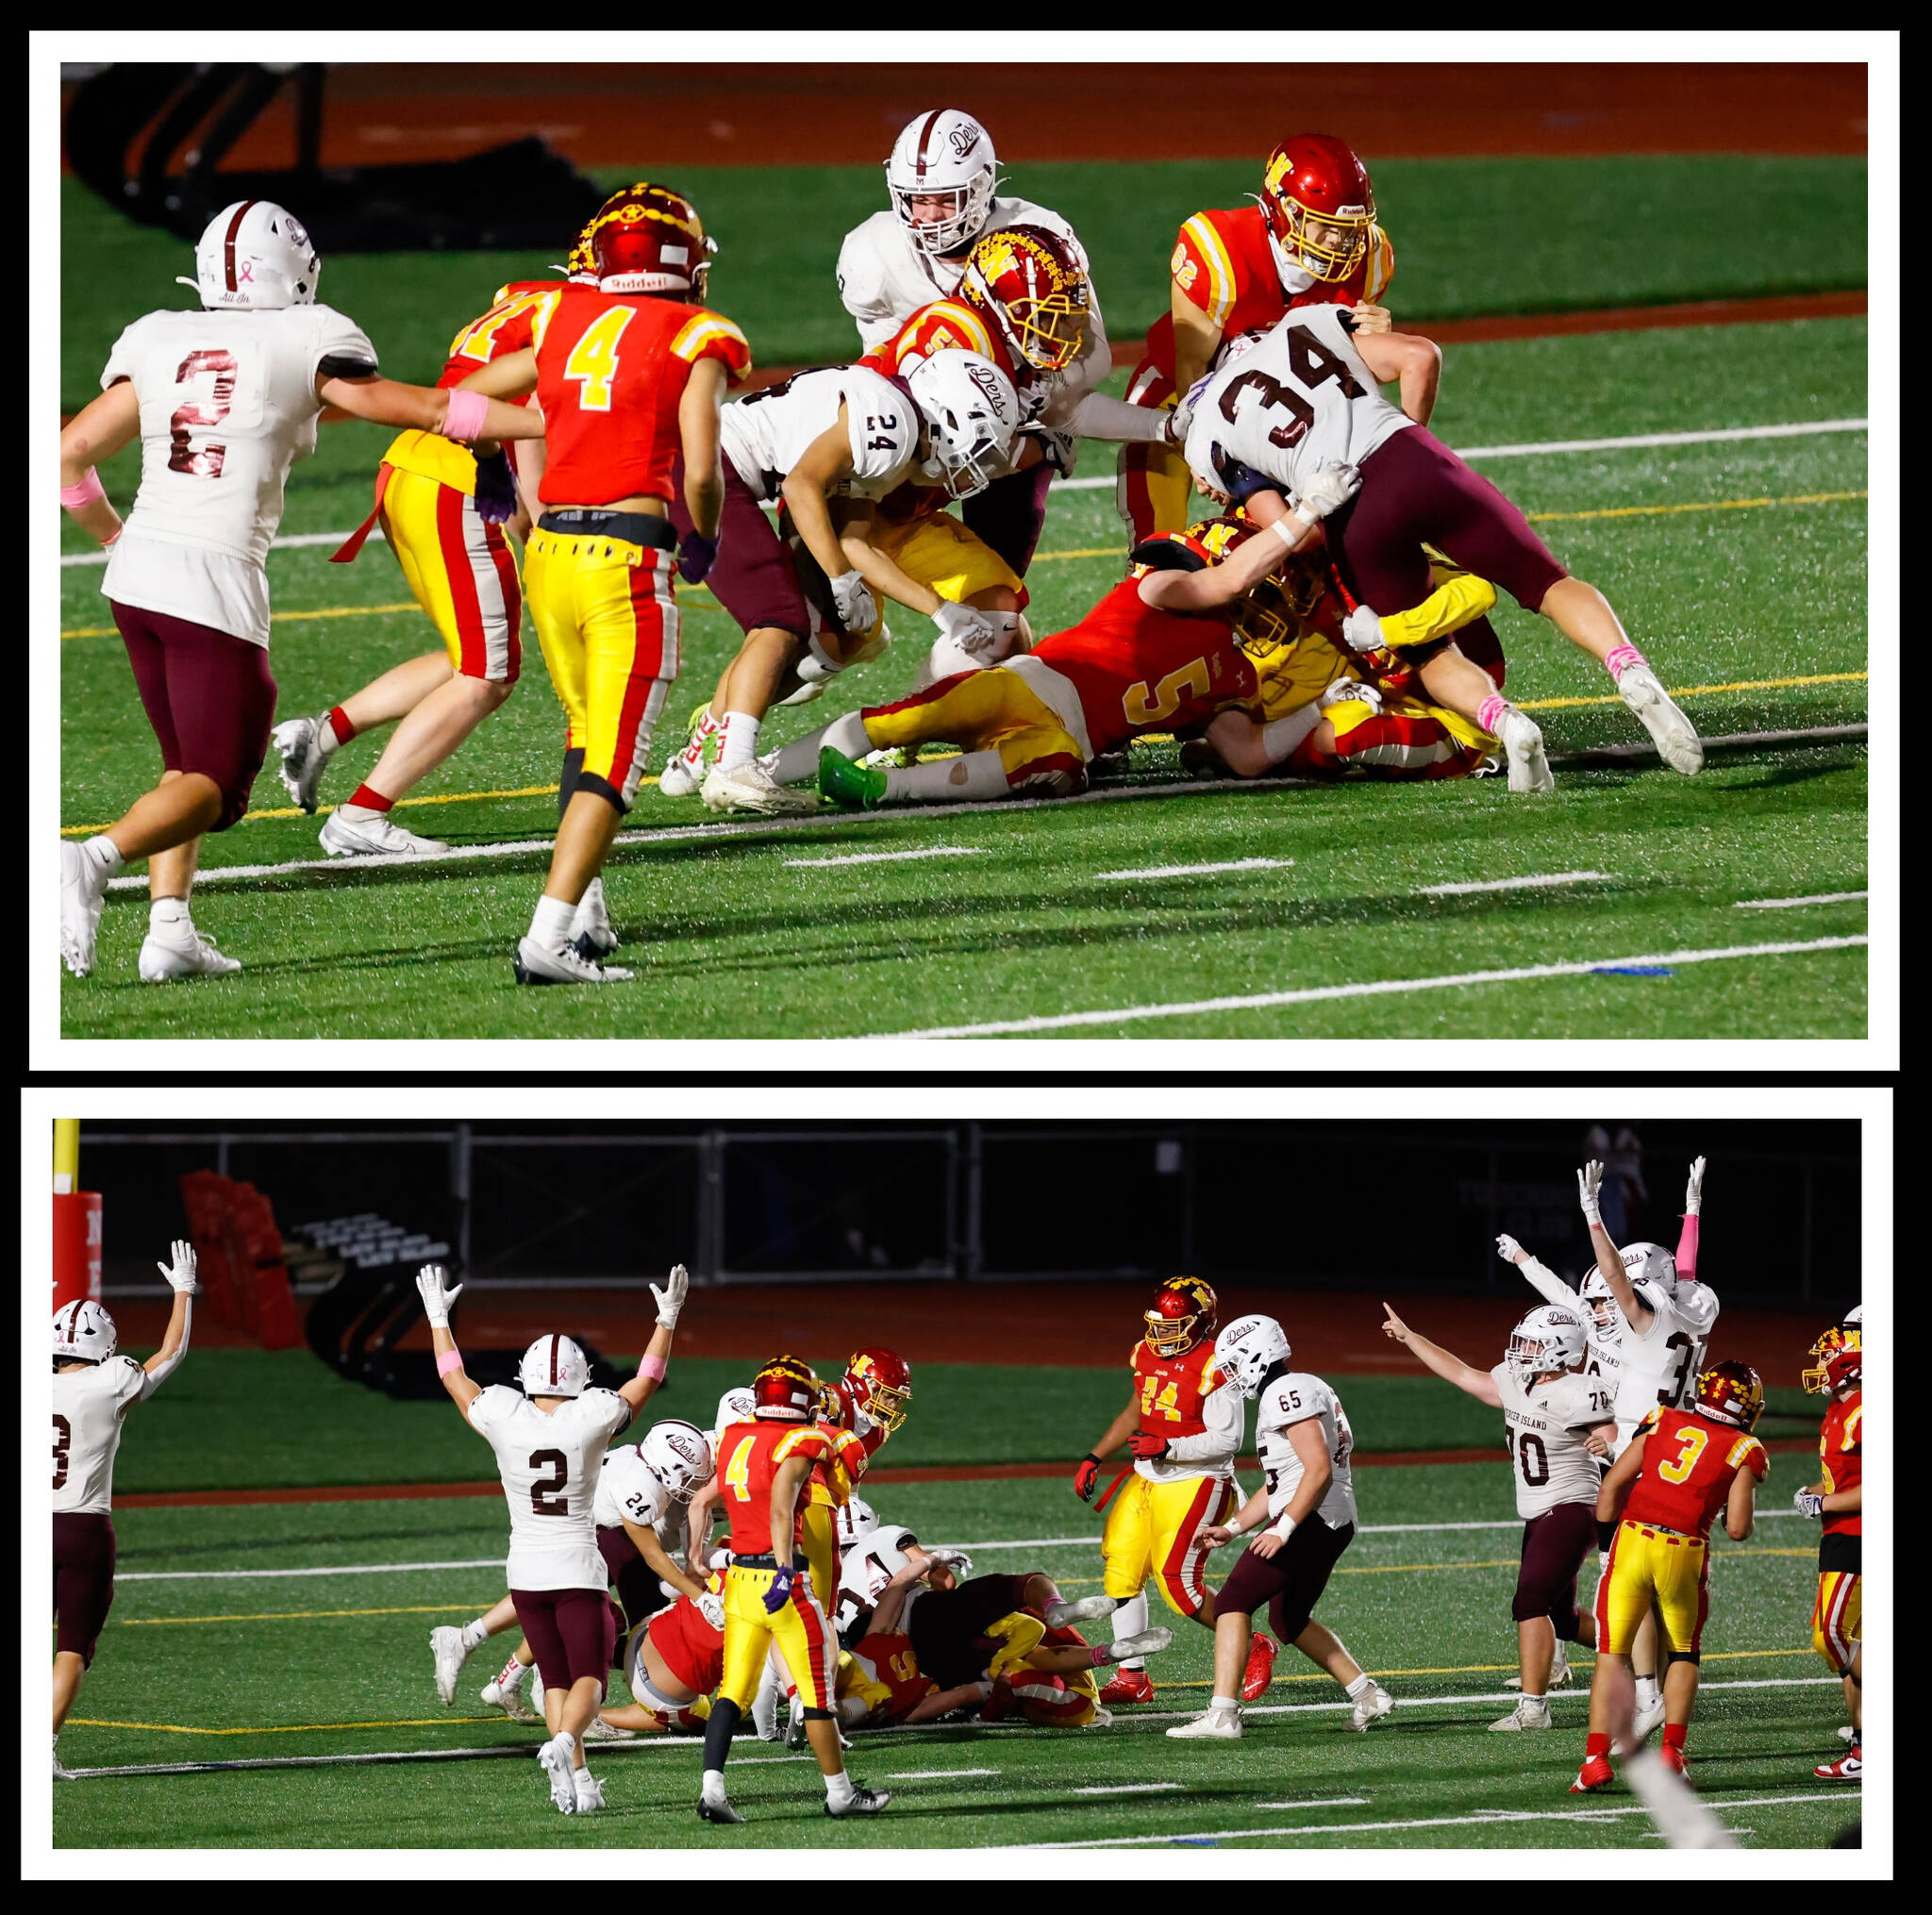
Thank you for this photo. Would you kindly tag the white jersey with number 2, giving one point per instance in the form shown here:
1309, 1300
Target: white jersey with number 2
550, 1466
88, 1408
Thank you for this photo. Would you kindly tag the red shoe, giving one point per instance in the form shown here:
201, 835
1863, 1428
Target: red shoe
1260, 1671
1849, 1768
1129, 1685
1673, 1758
1594, 1774
1000, 1705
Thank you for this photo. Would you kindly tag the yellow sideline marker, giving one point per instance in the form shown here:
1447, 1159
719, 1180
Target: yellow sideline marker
301, 1615
285, 1729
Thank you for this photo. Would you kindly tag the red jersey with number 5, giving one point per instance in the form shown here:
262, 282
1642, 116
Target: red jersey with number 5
1839, 1444
610, 371
1689, 1464
1171, 1389
1140, 669
748, 1459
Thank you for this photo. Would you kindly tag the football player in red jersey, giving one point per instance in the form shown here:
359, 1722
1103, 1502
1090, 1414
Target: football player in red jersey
1310, 239
1838, 1499
1657, 1507
631, 377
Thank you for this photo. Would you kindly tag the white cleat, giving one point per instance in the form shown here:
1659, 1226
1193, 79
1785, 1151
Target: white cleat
369, 833
536, 964
720, 1810
598, 1730
751, 788
592, 934
1372, 1707
1675, 735
680, 779
83, 888
557, 1765
1529, 768
447, 1645
180, 951
1146, 1642
1532, 1712
590, 1791
1562, 1675
512, 1702
1083, 1609
864, 1802
299, 741
1646, 1720
1220, 1724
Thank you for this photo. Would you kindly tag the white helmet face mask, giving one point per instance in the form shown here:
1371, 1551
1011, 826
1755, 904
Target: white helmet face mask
971, 413
679, 1454
1249, 1348
554, 1366
1548, 1339
944, 153
253, 256
84, 1333
1651, 1263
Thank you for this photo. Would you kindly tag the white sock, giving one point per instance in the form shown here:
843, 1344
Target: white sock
551, 922
167, 911
1129, 1620
739, 744
1646, 1692
326, 742
1281, 738
839, 1788
474, 1634
358, 812
1360, 1686
978, 774
1227, 1702
582, 1779
694, 749
713, 1790
103, 852
799, 760
512, 1674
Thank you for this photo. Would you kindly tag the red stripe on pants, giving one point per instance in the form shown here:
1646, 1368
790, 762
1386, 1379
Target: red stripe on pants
512, 596
1175, 1568
462, 586
648, 666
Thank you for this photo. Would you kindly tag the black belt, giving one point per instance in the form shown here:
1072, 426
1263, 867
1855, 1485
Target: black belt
753, 1562
639, 528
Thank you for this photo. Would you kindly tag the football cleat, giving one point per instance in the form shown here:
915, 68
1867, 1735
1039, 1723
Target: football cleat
891, 758
850, 786
1084, 1610
1129, 1685
1848, 1768
590, 1790
598, 1730
1595, 1774
83, 887
1673, 734
299, 741
1673, 1758
372, 834
536, 964
1219, 1724
717, 1811
1644, 1720
180, 951
1532, 1712
557, 1764
1147, 1643
592, 934
1260, 1669
864, 1802
1529, 768
751, 788
1376, 1704
447, 1645
512, 1702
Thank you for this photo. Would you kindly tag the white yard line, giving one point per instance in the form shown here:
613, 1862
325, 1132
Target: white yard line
1367, 988
1516, 884
1200, 870
935, 1774
891, 857
1785, 904
1126, 1788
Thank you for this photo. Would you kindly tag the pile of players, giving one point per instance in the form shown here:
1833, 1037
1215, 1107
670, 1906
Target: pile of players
1331, 618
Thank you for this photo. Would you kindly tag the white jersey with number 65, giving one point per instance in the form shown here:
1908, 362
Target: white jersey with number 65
1546, 1425
1297, 399
1296, 1398
550, 1466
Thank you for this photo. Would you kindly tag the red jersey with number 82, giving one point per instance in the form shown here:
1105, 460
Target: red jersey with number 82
610, 371
748, 1459
1689, 1464
1138, 669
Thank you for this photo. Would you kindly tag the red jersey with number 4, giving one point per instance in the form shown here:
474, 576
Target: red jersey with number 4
1140, 669
747, 1460
610, 371
1689, 1464
1173, 1387
1839, 1444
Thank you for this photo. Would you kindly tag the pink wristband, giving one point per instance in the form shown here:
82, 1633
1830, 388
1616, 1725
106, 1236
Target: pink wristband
652, 1367
89, 490
465, 417
450, 1359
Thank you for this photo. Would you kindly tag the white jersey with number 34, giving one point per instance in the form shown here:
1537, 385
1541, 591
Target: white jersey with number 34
1546, 1424
1297, 399
550, 1465
1660, 1364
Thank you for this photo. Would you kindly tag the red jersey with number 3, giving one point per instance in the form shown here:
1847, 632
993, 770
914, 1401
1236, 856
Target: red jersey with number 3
748, 1459
610, 371
1138, 668
1173, 1387
1689, 1464
1839, 1443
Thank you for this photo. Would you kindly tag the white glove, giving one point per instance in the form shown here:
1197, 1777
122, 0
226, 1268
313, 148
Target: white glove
967, 627
854, 603
669, 1299
436, 1299
1329, 486
1589, 1180
711, 1607
1362, 628
1693, 1191
181, 1273
1508, 1249
1808, 1503
955, 1559
1350, 691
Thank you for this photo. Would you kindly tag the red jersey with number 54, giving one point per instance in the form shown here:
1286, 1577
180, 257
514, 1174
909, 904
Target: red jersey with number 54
1689, 1464
1140, 669
610, 371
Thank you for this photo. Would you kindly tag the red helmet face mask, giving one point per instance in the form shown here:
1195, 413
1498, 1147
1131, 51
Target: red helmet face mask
879, 1383
1030, 282
1319, 205
1183, 1317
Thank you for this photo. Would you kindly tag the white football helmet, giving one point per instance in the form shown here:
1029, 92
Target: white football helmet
84, 1333
554, 1366
679, 1454
853, 1520
1549, 1338
1652, 1264
971, 413
1249, 1348
1604, 1308
943, 153
1854, 1317
255, 255
737, 1405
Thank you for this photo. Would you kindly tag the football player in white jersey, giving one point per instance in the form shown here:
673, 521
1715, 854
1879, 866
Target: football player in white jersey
1550, 1412
95, 1388
1303, 1439
549, 1443
1307, 395
225, 401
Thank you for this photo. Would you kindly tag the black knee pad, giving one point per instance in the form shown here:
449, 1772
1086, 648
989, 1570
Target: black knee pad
818, 1715
602, 788
1693, 1657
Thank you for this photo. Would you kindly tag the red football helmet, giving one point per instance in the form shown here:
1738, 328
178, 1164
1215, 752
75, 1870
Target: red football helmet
785, 1389
645, 238
1029, 281
1319, 204
1182, 1317
880, 1382
1730, 1392
1205, 544
1840, 1356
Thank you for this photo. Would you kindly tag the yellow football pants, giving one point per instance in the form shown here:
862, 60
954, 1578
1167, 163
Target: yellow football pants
1153, 1529
1648, 1565
461, 569
992, 710
821, 1543
800, 1629
1838, 1617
